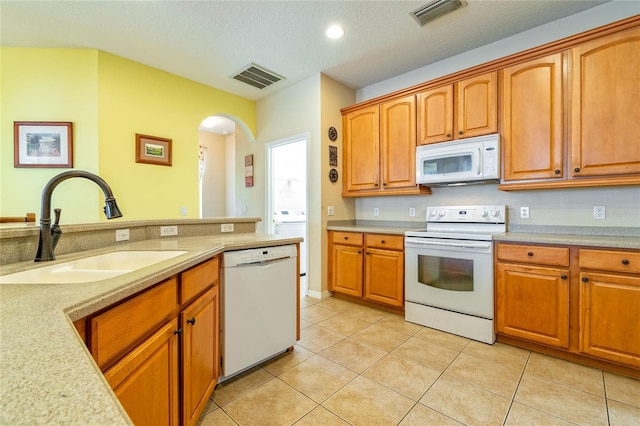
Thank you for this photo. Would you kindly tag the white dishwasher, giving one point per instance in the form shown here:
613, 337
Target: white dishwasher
259, 306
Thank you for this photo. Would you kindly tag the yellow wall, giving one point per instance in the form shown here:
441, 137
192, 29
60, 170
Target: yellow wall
134, 98
49, 85
109, 99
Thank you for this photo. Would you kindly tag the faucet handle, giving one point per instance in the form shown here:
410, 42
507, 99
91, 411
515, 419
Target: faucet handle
57, 212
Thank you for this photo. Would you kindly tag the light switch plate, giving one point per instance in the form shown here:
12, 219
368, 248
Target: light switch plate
122, 235
167, 231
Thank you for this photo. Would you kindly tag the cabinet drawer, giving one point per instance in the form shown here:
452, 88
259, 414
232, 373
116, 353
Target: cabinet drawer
618, 261
540, 255
391, 242
198, 278
348, 238
117, 330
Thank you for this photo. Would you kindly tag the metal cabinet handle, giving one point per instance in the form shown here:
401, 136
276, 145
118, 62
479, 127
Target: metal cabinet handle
368, 253
556, 171
191, 321
460, 132
384, 184
530, 254
577, 169
585, 279
178, 331
359, 252
625, 261
563, 276
381, 241
376, 184
346, 238
448, 135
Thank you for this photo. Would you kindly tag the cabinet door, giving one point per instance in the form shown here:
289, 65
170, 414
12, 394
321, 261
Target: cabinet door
361, 149
609, 323
435, 115
477, 106
200, 353
146, 380
347, 270
398, 142
532, 117
532, 303
384, 276
605, 106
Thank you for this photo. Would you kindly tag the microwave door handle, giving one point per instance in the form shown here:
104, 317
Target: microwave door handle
478, 162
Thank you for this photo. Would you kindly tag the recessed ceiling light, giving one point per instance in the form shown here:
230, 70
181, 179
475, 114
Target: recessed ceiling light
334, 32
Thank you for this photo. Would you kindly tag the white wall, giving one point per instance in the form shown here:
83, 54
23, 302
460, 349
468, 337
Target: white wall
565, 207
214, 175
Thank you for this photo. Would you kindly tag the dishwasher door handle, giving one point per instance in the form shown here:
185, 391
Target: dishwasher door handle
260, 263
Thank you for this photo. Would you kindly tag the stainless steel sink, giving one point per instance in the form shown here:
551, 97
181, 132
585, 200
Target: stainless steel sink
90, 269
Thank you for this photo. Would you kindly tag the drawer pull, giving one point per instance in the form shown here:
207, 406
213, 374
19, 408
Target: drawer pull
191, 321
382, 242
530, 254
564, 277
556, 171
346, 238
585, 279
368, 253
625, 261
577, 169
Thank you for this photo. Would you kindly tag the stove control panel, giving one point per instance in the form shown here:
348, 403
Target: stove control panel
470, 214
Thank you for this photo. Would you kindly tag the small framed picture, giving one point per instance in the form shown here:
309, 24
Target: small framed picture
153, 150
43, 144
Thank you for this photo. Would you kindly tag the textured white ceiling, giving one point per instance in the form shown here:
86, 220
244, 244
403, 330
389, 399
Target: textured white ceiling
207, 41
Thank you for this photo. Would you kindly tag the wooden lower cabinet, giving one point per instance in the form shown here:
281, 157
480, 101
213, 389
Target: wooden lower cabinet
146, 380
533, 303
609, 307
573, 302
161, 357
367, 266
200, 358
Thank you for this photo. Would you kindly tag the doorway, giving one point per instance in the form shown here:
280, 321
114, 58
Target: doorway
287, 193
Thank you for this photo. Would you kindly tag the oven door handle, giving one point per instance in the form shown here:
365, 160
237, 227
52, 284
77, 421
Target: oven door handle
423, 242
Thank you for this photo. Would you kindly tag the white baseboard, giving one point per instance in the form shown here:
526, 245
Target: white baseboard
318, 294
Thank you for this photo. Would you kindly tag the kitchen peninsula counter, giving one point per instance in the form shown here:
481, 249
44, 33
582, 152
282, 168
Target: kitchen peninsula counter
47, 375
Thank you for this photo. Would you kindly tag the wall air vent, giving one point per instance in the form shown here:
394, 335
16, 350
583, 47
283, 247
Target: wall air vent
434, 10
257, 76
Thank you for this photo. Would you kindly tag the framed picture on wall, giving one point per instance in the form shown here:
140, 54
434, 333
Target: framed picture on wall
43, 144
153, 150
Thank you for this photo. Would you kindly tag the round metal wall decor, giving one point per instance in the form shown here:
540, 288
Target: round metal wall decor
333, 133
333, 175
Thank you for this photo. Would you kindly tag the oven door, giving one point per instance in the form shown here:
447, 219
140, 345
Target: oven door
456, 275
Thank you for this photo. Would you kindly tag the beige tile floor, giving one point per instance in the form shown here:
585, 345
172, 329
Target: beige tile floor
361, 366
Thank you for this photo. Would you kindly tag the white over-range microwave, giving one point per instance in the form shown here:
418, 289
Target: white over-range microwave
466, 161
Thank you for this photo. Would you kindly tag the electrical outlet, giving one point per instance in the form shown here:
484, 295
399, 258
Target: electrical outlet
167, 231
226, 227
524, 212
183, 211
412, 211
122, 235
376, 211
330, 210
599, 212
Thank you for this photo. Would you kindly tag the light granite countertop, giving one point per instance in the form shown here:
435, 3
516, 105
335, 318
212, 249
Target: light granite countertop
47, 375
625, 238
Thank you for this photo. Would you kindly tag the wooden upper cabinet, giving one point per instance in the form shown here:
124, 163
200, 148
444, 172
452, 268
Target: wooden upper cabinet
435, 115
532, 119
361, 148
398, 142
476, 106
605, 106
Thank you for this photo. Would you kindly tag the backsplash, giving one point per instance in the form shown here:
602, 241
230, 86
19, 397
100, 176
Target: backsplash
565, 208
20, 242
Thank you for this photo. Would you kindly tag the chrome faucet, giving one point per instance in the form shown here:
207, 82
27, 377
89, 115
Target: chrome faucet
49, 235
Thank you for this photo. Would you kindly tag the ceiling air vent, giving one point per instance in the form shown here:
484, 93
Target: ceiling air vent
257, 76
434, 10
